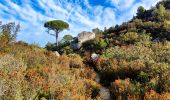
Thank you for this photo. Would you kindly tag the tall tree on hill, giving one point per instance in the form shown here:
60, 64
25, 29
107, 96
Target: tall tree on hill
57, 26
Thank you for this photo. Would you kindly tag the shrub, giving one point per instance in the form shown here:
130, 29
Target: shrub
136, 38
75, 61
11, 87
119, 68
102, 44
67, 50
50, 47
130, 37
125, 89
129, 53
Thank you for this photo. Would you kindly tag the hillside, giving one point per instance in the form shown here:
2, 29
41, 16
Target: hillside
130, 61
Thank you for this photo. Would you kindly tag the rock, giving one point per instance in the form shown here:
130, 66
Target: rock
81, 38
76, 45
97, 79
94, 56
85, 36
104, 93
56, 53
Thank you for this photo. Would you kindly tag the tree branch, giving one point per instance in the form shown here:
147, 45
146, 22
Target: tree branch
48, 31
52, 34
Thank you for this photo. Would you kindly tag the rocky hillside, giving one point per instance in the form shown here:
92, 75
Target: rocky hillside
130, 61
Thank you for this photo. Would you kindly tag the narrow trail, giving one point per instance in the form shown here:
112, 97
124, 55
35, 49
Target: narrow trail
104, 91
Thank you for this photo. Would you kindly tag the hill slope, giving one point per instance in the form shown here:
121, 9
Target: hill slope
132, 63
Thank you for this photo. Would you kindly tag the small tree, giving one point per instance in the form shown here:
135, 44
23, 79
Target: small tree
67, 38
140, 12
158, 13
50, 47
57, 26
9, 31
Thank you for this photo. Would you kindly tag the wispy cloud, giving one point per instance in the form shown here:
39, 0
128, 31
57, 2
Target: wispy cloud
122, 4
80, 14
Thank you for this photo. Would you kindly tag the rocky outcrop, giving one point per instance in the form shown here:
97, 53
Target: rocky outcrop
82, 38
85, 36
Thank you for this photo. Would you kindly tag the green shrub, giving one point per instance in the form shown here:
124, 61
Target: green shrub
129, 53
50, 47
102, 44
136, 38
130, 37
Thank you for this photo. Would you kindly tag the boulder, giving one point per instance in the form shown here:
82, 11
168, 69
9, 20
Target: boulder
76, 45
94, 56
82, 38
85, 36
56, 53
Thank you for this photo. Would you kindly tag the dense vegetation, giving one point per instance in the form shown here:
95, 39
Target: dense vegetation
133, 63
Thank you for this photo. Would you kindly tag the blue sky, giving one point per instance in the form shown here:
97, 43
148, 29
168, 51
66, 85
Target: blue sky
82, 15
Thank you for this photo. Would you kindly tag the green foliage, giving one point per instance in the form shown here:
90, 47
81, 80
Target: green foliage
67, 50
130, 37
56, 25
158, 13
148, 65
67, 38
154, 21
135, 38
134, 53
50, 47
65, 45
165, 3
9, 30
140, 12
102, 44
8, 33
97, 31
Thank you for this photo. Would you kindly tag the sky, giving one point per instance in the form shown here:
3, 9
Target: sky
81, 15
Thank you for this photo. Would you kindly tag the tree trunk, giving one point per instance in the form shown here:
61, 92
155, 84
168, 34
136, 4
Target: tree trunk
57, 40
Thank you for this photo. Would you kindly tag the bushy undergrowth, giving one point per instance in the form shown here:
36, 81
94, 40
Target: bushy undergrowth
28, 72
146, 66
